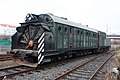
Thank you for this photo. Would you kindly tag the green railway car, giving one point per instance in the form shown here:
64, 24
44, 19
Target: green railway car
46, 37
70, 36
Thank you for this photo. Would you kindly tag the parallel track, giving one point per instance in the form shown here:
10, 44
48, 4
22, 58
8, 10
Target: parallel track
86, 71
5, 57
13, 71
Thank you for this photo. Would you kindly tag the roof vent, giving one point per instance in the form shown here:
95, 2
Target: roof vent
50, 13
64, 18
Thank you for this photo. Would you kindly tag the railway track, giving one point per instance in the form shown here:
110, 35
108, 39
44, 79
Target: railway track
86, 71
13, 71
5, 57
52, 72
4, 73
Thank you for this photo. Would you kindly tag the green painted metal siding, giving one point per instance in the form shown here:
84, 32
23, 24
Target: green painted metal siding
87, 39
78, 38
67, 36
65, 43
92, 40
59, 36
82, 38
71, 33
75, 37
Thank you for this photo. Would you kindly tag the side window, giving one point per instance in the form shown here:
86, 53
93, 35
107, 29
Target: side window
48, 19
88, 33
65, 36
81, 32
70, 30
59, 28
65, 29
78, 32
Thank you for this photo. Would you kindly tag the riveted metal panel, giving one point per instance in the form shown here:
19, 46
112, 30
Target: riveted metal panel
65, 43
67, 22
78, 38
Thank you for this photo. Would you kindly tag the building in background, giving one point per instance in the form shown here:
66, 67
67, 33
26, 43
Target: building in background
6, 29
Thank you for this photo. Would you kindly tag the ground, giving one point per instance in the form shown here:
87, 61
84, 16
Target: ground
115, 64
6, 63
3, 52
117, 57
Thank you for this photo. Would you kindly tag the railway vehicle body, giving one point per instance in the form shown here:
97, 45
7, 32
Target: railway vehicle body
46, 37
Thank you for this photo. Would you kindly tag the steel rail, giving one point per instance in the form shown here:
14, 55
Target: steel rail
15, 73
5, 54
66, 73
58, 62
3, 69
5, 57
91, 78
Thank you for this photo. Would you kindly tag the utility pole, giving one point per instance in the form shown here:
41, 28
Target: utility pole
110, 30
107, 29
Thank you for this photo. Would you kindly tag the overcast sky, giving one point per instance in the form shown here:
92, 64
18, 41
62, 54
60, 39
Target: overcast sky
102, 15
